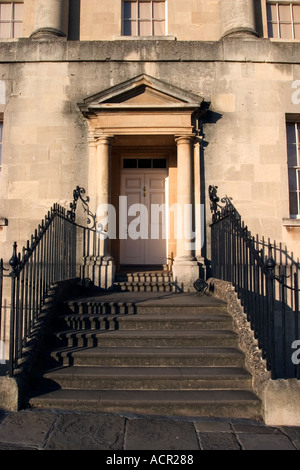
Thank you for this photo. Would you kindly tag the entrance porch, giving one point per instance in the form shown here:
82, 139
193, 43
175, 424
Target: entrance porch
144, 177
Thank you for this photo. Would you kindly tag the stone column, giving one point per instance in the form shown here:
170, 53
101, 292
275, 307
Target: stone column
237, 18
102, 268
104, 144
51, 19
199, 207
185, 267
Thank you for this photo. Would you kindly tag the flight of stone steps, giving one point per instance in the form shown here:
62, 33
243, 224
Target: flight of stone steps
149, 281
150, 353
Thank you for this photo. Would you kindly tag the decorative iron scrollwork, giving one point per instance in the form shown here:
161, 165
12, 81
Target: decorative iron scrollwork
80, 194
201, 286
217, 210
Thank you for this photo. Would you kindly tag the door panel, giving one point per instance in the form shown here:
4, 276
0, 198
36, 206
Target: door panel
148, 189
132, 249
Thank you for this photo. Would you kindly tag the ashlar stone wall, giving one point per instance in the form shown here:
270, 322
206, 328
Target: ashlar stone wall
248, 84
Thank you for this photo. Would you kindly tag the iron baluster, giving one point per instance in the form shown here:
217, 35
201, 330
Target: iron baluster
296, 319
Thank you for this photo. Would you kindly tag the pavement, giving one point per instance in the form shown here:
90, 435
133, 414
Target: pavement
125, 434
143, 440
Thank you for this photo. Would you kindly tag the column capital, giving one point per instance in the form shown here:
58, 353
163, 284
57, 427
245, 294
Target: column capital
184, 139
105, 139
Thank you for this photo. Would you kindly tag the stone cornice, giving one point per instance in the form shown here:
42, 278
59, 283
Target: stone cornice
257, 50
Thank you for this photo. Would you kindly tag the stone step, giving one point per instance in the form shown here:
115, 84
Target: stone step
144, 277
112, 356
144, 338
150, 378
141, 286
143, 307
144, 281
205, 403
156, 354
189, 321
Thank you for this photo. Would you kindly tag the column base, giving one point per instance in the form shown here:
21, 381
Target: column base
240, 32
47, 34
101, 271
185, 273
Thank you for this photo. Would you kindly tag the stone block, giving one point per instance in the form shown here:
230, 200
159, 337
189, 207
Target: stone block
23, 189
9, 394
281, 402
224, 103
185, 274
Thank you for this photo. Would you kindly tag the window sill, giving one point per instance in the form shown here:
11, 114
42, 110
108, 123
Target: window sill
284, 40
291, 222
10, 39
145, 38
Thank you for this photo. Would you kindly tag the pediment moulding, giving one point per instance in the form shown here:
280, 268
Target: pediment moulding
142, 106
141, 92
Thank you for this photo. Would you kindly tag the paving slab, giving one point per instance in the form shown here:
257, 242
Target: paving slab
87, 432
118, 432
264, 441
215, 425
255, 429
26, 429
293, 434
3, 415
218, 441
151, 434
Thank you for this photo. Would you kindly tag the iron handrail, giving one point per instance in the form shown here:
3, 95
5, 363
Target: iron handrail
49, 256
266, 279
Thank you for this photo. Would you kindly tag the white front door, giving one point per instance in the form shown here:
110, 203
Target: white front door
145, 242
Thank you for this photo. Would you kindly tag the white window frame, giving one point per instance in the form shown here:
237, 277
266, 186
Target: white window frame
296, 168
12, 21
1, 141
277, 20
151, 19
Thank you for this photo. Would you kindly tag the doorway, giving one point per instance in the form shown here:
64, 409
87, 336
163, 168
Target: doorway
145, 231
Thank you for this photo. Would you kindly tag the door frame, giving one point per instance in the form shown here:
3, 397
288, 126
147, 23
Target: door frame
143, 171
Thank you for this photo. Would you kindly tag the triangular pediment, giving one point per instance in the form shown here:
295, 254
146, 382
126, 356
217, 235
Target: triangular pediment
142, 91
143, 94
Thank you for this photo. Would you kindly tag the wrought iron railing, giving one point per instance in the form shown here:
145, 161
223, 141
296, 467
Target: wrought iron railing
55, 252
266, 279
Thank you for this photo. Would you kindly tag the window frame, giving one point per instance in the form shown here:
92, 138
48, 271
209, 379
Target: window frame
296, 168
1, 139
138, 19
277, 21
12, 21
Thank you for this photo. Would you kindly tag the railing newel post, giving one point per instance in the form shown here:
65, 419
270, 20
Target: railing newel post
270, 277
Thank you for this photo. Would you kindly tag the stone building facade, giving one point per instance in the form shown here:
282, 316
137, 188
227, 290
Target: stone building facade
153, 100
